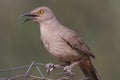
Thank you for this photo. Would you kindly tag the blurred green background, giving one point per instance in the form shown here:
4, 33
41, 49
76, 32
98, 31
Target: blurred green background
96, 21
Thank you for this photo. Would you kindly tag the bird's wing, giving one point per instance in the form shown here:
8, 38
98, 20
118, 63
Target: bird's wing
73, 40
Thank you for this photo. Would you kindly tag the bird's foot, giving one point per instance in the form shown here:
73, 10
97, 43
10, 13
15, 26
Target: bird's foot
49, 67
69, 69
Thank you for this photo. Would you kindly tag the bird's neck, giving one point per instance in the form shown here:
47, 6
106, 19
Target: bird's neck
50, 26
51, 23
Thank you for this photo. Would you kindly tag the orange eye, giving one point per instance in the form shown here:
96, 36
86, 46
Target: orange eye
40, 12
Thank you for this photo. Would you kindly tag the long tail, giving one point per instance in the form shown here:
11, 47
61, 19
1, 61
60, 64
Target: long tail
88, 69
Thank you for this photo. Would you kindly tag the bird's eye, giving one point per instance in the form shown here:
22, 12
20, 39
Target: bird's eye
40, 12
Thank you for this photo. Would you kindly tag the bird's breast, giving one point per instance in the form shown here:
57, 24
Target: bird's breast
57, 46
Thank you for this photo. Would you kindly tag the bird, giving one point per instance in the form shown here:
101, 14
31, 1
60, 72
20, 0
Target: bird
63, 43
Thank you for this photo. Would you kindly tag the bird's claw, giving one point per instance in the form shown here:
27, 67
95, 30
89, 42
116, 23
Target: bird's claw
49, 67
69, 70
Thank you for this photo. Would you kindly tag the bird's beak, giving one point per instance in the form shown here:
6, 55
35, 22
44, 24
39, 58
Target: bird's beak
29, 15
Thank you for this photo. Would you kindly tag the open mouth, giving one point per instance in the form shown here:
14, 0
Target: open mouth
30, 17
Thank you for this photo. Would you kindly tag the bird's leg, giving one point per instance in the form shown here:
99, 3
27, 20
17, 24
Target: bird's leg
69, 68
50, 67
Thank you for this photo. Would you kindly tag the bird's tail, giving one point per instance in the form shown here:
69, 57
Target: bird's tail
88, 69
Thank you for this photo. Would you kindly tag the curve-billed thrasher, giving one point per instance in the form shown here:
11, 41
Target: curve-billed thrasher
63, 43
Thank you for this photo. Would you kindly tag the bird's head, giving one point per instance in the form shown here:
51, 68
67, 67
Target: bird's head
39, 14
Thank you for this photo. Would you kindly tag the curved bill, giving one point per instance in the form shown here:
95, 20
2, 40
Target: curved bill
26, 20
29, 15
